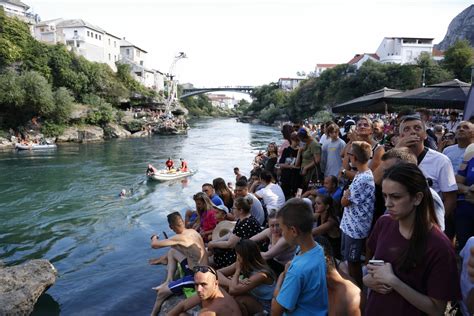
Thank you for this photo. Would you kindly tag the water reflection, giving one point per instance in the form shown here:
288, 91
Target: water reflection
64, 206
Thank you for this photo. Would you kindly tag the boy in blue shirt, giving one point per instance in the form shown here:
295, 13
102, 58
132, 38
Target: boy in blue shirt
301, 289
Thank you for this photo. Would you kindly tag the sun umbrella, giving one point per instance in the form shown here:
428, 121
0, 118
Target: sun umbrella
451, 94
368, 103
469, 107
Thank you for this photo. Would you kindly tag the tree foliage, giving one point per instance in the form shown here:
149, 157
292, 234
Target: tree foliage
44, 80
458, 59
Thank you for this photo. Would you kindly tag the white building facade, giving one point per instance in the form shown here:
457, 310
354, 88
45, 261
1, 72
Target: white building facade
16, 8
87, 40
320, 68
289, 84
403, 50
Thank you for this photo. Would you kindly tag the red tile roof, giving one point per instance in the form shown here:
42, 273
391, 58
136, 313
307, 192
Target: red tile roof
358, 57
326, 65
437, 53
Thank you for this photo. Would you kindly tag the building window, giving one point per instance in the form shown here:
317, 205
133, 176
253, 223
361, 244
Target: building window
109, 41
88, 33
128, 51
75, 32
141, 62
110, 57
115, 57
96, 37
115, 43
100, 37
78, 44
42, 29
138, 53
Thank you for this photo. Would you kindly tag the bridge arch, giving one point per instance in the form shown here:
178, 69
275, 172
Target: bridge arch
196, 91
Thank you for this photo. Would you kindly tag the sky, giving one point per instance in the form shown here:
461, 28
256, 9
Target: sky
255, 42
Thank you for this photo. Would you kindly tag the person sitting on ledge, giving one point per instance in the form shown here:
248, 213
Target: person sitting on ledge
187, 250
213, 300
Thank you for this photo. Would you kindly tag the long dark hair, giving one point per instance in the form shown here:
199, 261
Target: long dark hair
411, 177
252, 260
223, 191
331, 211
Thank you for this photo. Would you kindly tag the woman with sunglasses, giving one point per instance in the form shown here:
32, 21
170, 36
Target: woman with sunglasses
252, 281
416, 271
279, 251
246, 227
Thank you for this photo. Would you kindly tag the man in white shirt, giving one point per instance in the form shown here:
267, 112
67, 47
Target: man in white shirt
272, 194
435, 166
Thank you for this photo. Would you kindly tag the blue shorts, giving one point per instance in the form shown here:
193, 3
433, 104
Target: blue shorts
185, 282
351, 248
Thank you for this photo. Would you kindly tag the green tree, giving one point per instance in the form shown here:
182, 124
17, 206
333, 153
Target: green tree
434, 73
458, 59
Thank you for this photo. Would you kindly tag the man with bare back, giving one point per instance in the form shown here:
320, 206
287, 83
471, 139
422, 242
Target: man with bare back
212, 299
187, 250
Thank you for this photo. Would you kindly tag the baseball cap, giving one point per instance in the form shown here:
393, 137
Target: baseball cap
222, 207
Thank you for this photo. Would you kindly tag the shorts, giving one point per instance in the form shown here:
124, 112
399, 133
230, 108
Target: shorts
187, 281
351, 248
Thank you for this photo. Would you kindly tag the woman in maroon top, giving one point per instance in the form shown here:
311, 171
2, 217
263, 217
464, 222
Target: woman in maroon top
418, 274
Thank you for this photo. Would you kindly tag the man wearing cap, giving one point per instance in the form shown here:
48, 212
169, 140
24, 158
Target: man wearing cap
213, 300
435, 166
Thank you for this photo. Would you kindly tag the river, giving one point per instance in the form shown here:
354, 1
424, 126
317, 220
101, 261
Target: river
63, 205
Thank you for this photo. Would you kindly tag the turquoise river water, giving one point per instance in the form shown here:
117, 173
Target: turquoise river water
63, 205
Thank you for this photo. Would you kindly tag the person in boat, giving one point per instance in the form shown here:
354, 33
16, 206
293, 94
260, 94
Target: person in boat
169, 164
184, 165
151, 170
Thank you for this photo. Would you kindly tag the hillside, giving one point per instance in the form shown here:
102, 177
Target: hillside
460, 28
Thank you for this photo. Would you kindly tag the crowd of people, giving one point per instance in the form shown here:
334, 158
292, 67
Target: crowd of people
357, 216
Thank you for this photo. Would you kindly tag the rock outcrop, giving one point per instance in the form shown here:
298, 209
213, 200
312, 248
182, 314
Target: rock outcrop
82, 134
5, 144
22, 285
112, 130
461, 27
171, 302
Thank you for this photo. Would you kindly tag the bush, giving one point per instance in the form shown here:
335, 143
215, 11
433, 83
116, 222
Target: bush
101, 115
63, 101
52, 129
135, 125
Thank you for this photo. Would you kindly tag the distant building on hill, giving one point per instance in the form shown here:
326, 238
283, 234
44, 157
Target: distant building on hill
16, 8
403, 50
85, 39
359, 59
222, 101
322, 67
289, 84
136, 57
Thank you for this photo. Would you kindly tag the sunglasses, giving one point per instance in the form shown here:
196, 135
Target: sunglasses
204, 269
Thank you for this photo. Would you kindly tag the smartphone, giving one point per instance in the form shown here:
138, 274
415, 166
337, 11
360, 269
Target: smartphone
377, 262
299, 192
164, 234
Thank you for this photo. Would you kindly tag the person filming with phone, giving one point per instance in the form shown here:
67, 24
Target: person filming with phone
413, 271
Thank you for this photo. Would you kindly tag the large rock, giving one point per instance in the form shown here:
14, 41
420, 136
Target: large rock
171, 302
461, 27
112, 130
82, 134
140, 134
22, 285
5, 144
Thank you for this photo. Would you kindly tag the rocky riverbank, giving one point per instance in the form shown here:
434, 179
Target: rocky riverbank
132, 124
22, 285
